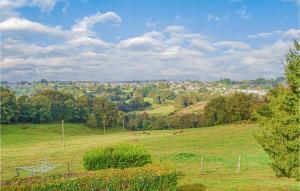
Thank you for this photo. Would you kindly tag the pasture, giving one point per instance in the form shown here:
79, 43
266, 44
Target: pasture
220, 146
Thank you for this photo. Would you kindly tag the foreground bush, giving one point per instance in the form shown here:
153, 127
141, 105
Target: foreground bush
116, 156
150, 177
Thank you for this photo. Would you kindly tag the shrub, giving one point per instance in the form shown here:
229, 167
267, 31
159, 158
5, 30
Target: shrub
116, 156
150, 177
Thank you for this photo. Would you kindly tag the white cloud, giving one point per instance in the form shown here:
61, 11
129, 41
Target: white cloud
203, 45
8, 7
151, 40
265, 34
151, 23
87, 41
65, 9
212, 18
175, 29
292, 34
9, 4
232, 44
19, 24
86, 24
243, 13
44, 5
261, 35
173, 53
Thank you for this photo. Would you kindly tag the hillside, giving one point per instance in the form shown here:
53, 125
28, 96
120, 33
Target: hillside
219, 146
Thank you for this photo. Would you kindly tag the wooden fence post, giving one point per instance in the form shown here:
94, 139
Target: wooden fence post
202, 165
63, 133
123, 125
104, 126
239, 164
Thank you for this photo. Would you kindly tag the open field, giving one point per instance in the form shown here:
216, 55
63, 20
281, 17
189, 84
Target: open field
158, 109
219, 146
197, 107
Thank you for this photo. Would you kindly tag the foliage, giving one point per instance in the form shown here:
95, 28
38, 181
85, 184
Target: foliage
91, 121
8, 105
24, 110
104, 111
280, 137
187, 120
41, 109
150, 177
227, 109
116, 156
136, 103
57, 100
185, 99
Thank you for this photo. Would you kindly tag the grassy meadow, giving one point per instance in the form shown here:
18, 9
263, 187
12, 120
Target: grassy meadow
220, 146
158, 109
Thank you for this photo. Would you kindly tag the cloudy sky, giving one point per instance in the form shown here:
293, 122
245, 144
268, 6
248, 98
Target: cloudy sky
109, 40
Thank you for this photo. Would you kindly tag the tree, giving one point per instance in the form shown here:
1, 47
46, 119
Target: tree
41, 109
8, 105
82, 103
91, 120
57, 100
215, 111
24, 111
230, 108
72, 112
280, 135
239, 106
104, 110
184, 100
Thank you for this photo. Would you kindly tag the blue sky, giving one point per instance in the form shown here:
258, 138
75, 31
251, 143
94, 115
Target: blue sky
108, 40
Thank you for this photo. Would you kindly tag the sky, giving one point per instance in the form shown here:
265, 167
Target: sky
116, 40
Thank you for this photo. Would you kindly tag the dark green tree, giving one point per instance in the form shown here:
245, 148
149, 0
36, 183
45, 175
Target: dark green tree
41, 109
82, 103
104, 111
24, 110
57, 100
8, 105
215, 111
72, 112
280, 136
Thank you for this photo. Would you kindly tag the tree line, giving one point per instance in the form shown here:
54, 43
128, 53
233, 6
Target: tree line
51, 105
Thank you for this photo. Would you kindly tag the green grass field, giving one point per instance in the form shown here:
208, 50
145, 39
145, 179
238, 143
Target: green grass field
158, 109
219, 146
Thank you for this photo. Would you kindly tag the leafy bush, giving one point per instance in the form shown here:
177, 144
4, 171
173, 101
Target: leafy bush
116, 156
150, 177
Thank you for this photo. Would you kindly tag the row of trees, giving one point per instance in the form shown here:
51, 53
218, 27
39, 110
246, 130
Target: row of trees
228, 109
50, 105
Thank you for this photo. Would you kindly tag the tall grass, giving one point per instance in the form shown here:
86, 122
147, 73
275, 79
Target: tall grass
116, 156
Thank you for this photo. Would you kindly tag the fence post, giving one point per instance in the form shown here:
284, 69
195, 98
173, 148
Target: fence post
63, 133
239, 164
123, 125
202, 165
104, 126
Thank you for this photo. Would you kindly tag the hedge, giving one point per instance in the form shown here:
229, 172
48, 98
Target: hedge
116, 156
150, 177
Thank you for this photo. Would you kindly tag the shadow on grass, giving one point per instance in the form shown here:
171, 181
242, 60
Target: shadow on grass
192, 187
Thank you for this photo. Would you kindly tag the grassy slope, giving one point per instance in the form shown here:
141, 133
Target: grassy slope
197, 107
219, 146
158, 109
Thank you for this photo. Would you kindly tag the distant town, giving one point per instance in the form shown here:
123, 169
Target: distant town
258, 86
